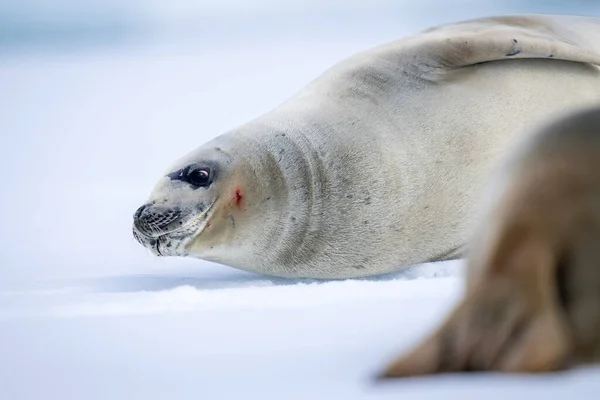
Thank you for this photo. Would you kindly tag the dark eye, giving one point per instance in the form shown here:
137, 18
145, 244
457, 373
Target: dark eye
199, 177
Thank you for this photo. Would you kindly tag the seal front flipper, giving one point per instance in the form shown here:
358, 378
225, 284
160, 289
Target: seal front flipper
532, 302
501, 325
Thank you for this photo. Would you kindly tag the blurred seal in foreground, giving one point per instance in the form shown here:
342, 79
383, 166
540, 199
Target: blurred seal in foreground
532, 302
378, 163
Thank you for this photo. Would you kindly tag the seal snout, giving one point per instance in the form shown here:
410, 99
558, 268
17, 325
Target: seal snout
154, 221
139, 211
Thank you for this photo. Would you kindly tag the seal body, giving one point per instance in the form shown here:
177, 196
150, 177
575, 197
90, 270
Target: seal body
378, 163
532, 302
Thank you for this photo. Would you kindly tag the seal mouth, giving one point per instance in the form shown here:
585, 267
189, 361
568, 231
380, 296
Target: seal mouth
173, 242
158, 246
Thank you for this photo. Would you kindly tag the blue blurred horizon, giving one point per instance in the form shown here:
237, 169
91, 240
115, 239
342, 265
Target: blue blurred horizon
25, 23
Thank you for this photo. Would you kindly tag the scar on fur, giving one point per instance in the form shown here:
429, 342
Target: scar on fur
238, 197
532, 302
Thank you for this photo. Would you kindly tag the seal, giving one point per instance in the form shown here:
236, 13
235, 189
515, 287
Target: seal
378, 163
532, 301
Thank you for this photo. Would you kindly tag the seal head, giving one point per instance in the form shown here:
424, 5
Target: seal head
226, 202
180, 204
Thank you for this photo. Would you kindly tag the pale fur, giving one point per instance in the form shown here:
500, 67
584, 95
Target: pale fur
532, 302
379, 163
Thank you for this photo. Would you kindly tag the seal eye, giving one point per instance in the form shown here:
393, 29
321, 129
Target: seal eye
199, 177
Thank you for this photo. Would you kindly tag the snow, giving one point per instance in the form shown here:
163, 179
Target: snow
86, 313
223, 334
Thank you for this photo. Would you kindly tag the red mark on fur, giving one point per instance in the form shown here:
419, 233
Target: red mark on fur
238, 198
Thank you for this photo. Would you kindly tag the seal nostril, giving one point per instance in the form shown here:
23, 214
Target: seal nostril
150, 220
139, 211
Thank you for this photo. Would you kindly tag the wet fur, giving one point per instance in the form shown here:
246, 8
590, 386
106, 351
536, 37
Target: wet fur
532, 302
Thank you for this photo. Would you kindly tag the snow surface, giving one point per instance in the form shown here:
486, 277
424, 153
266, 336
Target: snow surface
86, 313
